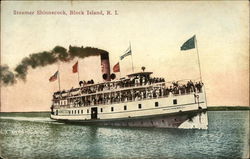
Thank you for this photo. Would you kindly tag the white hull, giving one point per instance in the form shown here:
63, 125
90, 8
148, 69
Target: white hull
186, 120
172, 111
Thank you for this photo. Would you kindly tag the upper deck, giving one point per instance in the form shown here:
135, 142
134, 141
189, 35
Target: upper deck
137, 86
142, 79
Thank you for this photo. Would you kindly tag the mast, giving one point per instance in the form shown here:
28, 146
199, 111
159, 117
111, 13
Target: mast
131, 57
59, 77
200, 68
78, 70
198, 58
120, 69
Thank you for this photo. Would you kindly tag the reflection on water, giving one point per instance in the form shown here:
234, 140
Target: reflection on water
31, 137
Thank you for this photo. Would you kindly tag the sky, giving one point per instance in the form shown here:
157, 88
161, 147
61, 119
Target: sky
156, 31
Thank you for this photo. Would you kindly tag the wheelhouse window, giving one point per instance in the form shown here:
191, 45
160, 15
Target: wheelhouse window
82, 111
87, 111
101, 110
112, 109
125, 107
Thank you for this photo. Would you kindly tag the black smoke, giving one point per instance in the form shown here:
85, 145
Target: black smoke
7, 77
42, 59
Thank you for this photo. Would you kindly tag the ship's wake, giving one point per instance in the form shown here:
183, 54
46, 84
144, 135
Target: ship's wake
31, 119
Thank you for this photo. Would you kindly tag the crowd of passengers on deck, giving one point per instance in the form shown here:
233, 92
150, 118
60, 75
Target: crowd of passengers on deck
137, 81
137, 94
89, 87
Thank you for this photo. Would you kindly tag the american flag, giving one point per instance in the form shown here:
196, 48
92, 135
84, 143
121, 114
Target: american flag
54, 77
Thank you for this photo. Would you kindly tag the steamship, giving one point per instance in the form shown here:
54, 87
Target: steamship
136, 100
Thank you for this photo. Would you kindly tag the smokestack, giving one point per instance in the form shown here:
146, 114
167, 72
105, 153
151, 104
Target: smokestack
105, 66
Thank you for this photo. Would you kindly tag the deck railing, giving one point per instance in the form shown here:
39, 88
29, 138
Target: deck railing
125, 100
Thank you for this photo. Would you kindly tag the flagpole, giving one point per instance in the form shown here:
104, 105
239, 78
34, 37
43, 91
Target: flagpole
78, 70
198, 58
120, 74
131, 57
78, 77
200, 68
120, 68
59, 77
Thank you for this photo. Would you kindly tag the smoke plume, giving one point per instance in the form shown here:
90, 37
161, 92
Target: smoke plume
45, 58
7, 77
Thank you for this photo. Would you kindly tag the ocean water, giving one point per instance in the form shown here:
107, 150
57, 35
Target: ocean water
32, 135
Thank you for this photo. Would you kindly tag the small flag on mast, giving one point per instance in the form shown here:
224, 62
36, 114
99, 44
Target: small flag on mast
189, 44
116, 67
127, 53
54, 77
75, 67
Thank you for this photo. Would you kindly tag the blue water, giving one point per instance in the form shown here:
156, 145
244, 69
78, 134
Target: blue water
27, 136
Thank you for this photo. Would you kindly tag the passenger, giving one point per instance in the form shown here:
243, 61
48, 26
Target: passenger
157, 92
137, 81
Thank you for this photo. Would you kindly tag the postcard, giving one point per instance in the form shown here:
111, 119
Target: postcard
124, 79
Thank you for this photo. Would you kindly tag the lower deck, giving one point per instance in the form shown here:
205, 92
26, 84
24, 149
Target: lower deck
134, 109
188, 120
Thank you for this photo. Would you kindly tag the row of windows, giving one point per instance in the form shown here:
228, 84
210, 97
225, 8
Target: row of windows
77, 111
112, 108
139, 106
